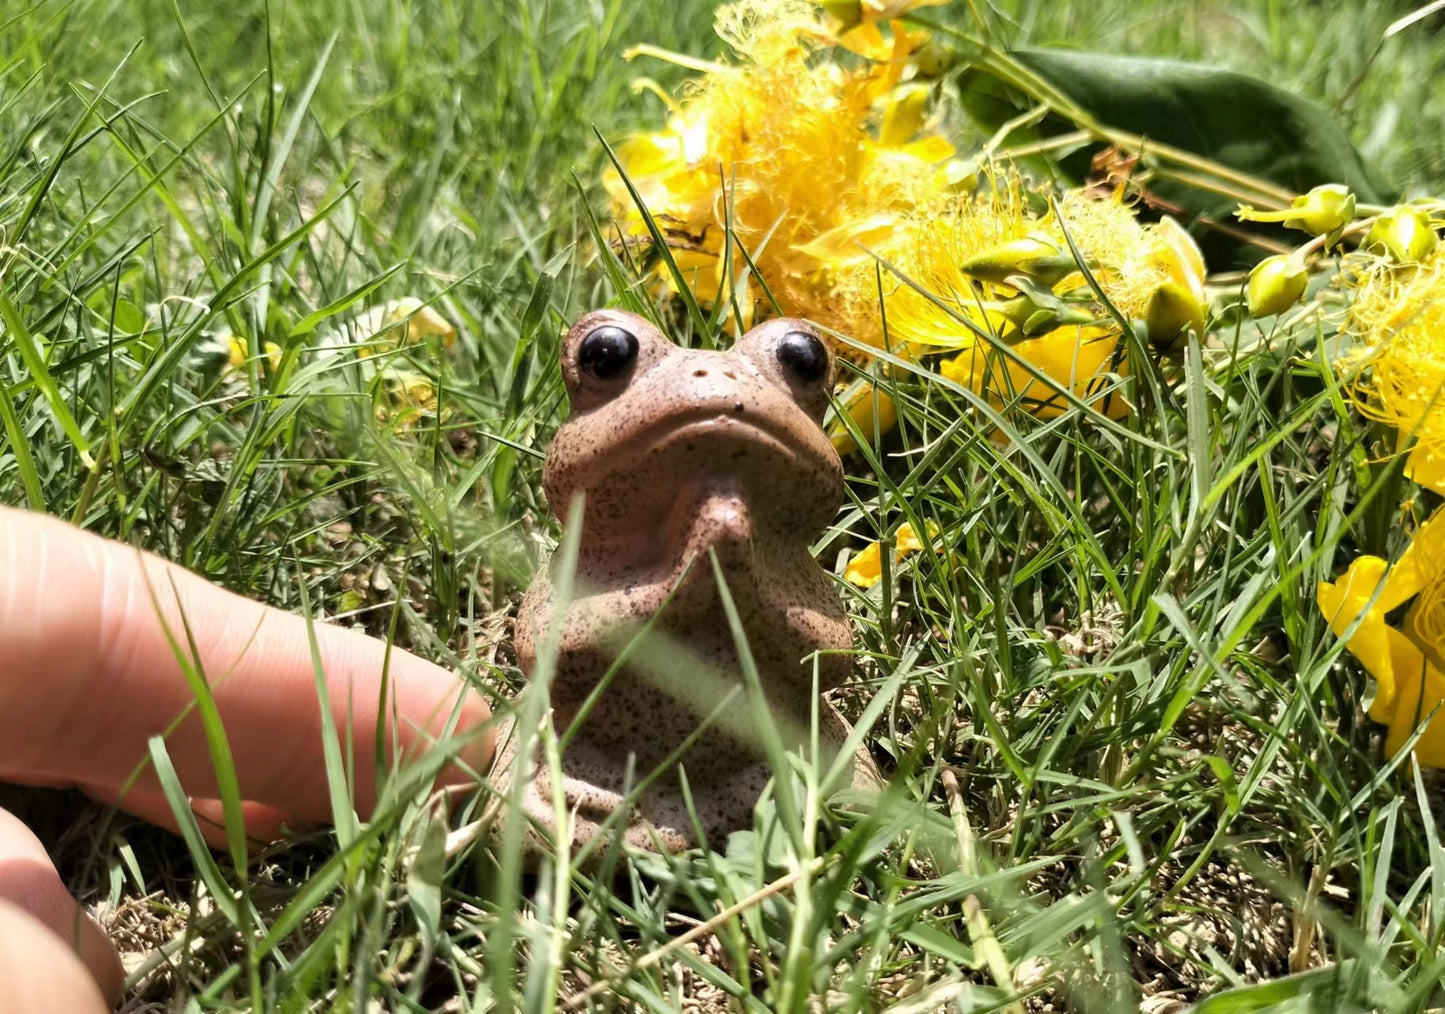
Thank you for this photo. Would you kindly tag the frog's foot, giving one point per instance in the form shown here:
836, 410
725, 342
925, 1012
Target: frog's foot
659, 818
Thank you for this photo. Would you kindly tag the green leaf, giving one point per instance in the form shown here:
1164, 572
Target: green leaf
34, 359
1317, 989
1224, 116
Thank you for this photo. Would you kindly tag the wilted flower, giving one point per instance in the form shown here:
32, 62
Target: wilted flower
1324, 210
1275, 284
1404, 661
865, 569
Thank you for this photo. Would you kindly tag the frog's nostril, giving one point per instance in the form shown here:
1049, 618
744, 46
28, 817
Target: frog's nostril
699, 373
730, 374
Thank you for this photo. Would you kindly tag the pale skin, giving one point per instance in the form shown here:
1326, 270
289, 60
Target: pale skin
88, 675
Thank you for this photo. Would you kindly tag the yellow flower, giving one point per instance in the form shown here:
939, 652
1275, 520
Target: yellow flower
865, 568
238, 352
1406, 663
402, 322
826, 171
790, 150
1077, 358
1398, 313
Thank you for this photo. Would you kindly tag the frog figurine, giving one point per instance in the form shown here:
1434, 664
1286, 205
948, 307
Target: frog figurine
684, 457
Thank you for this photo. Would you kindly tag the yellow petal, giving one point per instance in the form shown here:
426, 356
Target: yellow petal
869, 408
237, 352
1422, 562
1076, 358
418, 321
904, 112
1419, 690
1342, 602
865, 569
907, 540
1426, 466
932, 149
1186, 263
845, 244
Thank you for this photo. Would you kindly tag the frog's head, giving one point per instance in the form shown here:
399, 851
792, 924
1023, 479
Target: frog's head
652, 422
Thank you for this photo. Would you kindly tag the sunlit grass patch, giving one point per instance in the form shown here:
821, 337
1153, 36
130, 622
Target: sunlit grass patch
279, 299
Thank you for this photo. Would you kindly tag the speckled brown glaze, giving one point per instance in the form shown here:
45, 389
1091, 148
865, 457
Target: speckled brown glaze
685, 454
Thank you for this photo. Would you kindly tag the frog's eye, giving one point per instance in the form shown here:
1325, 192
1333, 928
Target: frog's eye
804, 356
607, 352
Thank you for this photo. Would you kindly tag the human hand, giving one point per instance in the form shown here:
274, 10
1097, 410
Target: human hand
88, 675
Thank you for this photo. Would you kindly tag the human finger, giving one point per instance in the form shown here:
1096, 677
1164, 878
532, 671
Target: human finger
39, 974
88, 673
29, 883
263, 823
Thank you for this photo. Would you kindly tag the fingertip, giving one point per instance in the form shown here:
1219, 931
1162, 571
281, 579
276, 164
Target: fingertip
437, 709
39, 974
264, 824
29, 883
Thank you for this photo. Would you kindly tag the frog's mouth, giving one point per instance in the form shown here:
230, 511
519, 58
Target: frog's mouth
720, 428
774, 458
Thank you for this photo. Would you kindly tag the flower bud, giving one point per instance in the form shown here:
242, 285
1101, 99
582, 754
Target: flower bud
843, 14
1037, 309
1402, 233
1325, 209
931, 61
1172, 311
1034, 255
1275, 284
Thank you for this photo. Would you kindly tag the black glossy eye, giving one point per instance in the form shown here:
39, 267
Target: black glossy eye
607, 351
804, 356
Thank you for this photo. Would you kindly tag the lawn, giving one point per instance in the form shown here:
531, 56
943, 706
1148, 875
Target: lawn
1129, 765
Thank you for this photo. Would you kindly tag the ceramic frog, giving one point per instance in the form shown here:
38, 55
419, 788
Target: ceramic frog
683, 457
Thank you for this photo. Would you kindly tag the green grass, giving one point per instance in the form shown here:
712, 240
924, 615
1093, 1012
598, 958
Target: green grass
1127, 757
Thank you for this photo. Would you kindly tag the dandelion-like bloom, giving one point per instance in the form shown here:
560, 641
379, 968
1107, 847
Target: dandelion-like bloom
785, 149
824, 171
1399, 314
